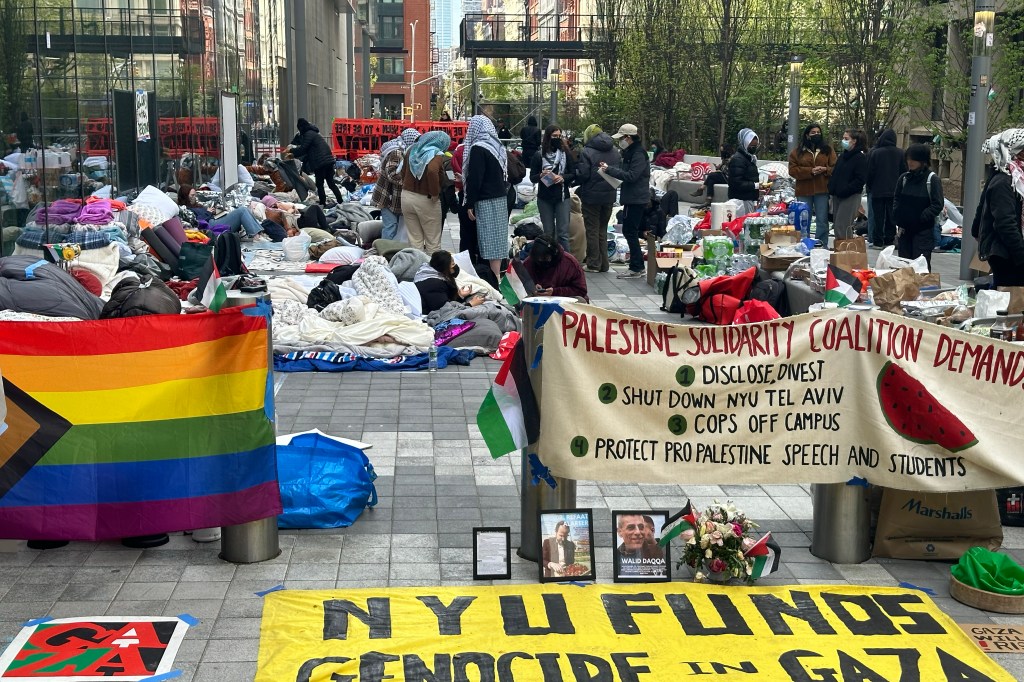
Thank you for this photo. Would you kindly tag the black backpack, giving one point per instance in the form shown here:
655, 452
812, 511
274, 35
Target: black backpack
516, 169
772, 292
674, 297
655, 219
227, 253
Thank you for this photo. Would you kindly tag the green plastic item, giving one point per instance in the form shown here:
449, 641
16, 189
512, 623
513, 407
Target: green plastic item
989, 571
529, 211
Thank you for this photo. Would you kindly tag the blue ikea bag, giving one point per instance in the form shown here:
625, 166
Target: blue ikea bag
324, 483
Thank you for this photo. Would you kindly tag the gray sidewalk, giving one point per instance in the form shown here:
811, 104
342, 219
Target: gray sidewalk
436, 482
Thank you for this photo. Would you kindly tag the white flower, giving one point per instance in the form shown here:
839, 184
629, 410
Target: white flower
698, 576
708, 554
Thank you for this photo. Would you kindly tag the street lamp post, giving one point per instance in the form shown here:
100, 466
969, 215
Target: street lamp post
977, 124
412, 74
796, 66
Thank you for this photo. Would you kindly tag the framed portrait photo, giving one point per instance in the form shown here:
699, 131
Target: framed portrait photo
567, 545
636, 556
492, 553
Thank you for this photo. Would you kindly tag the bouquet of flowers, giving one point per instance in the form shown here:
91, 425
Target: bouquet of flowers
717, 541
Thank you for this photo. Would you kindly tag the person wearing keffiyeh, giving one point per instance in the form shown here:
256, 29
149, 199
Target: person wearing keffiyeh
424, 178
387, 193
999, 219
484, 180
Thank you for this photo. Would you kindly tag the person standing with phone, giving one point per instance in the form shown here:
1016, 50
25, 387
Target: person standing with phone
634, 193
553, 170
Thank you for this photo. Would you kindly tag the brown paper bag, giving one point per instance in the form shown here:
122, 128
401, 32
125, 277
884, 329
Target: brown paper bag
915, 525
1016, 306
850, 254
979, 265
893, 287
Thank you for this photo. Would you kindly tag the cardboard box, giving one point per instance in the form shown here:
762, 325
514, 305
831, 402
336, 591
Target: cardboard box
769, 259
669, 256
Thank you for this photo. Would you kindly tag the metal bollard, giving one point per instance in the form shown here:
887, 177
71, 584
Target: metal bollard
842, 519
248, 543
541, 496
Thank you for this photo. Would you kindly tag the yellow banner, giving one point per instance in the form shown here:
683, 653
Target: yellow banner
818, 398
613, 633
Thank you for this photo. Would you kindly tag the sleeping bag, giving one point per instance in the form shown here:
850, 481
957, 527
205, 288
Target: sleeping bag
31, 285
145, 296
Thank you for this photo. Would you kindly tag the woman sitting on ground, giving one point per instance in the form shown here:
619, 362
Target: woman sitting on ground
437, 286
235, 219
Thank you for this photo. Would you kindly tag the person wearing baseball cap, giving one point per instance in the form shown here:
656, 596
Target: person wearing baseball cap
634, 193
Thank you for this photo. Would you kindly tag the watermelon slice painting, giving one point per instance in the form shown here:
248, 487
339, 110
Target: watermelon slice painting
915, 414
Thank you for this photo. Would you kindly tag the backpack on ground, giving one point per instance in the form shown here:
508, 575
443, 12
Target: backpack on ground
227, 253
679, 280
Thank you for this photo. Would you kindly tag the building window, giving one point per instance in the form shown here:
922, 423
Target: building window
392, 69
391, 29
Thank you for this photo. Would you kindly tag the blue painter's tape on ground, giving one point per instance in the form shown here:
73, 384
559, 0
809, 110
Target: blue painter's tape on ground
188, 619
267, 591
36, 621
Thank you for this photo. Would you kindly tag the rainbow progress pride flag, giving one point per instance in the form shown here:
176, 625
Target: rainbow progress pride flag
135, 426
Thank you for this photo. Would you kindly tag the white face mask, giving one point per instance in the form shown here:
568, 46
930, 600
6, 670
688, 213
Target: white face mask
624, 143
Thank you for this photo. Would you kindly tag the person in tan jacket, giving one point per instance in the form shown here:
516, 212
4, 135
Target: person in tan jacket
811, 164
423, 179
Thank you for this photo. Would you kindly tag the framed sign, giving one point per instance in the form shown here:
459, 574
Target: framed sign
492, 553
567, 545
636, 556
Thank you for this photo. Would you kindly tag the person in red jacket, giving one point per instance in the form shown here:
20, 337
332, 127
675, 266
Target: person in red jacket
555, 271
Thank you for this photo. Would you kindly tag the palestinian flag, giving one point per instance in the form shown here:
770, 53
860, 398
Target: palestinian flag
516, 284
509, 418
765, 554
214, 293
678, 524
29, 430
841, 287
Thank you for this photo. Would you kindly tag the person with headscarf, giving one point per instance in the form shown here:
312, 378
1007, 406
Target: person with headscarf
531, 137
553, 170
847, 182
484, 182
916, 204
597, 196
810, 165
743, 175
317, 158
999, 218
387, 193
423, 179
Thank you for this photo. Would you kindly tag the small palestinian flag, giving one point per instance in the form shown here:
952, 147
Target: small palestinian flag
212, 288
678, 524
509, 418
765, 554
516, 284
841, 287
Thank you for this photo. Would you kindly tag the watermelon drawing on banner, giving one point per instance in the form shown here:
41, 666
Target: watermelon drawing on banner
699, 171
915, 414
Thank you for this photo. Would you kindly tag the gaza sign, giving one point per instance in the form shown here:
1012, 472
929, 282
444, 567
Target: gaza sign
817, 398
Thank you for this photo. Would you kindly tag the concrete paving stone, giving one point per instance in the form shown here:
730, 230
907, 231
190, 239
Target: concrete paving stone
247, 589
703, 495
672, 503
236, 628
356, 584
371, 527
759, 508
305, 556
591, 502
421, 526
116, 557
419, 555
31, 593
425, 582
309, 584
61, 557
89, 592
456, 513
143, 574
377, 571
864, 572
242, 608
22, 611
149, 591
47, 575
203, 609
785, 491
455, 540
312, 572
795, 507
72, 609
215, 573
203, 590
170, 557
818, 571
260, 572
231, 650
135, 608
791, 539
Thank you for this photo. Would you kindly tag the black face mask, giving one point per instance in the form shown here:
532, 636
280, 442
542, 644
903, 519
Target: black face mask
752, 148
815, 140
554, 144
455, 272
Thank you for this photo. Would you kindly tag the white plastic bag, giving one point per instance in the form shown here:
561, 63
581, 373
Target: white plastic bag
989, 301
888, 260
820, 260
297, 247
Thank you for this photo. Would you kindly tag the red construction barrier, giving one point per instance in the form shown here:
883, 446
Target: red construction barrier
355, 137
178, 136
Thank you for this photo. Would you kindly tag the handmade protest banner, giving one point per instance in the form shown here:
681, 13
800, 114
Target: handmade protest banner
104, 648
817, 398
662, 632
135, 426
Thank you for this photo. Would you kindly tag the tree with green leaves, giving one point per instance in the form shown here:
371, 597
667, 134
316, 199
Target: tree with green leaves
13, 62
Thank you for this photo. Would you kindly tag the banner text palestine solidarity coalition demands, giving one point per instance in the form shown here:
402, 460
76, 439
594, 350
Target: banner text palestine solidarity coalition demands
818, 398
613, 633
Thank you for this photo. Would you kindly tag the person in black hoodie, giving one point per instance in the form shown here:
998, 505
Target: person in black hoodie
917, 202
847, 182
553, 170
634, 193
530, 135
886, 163
596, 194
998, 219
743, 176
316, 157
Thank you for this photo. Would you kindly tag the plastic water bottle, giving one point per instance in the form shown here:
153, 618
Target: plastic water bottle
432, 357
